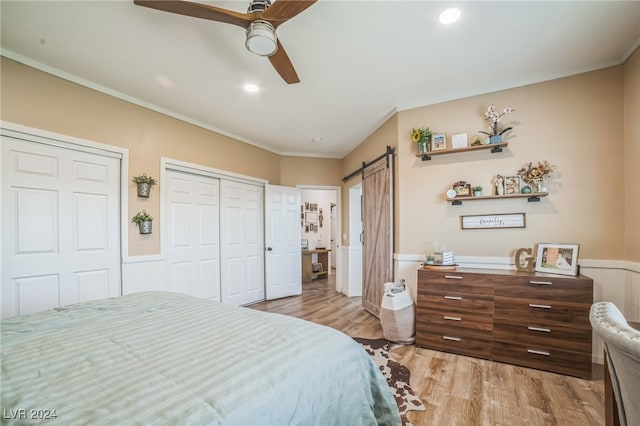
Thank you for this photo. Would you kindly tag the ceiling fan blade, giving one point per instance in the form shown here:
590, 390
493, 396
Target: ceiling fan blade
283, 10
199, 10
281, 62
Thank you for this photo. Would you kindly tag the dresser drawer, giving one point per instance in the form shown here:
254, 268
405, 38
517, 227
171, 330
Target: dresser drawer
532, 334
436, 282
454, 343
477, 305
540, 311
456, 320
543, 358
577, 290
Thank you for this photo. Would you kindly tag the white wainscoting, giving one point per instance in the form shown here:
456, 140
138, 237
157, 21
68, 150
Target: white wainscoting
351, 270
613, 281
144, 273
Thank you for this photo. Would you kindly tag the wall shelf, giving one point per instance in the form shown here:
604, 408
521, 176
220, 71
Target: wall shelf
533, 197
497, 147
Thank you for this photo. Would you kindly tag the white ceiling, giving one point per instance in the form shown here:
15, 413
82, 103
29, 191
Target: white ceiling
358, 61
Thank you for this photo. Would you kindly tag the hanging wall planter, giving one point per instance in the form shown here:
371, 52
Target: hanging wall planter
144, 184
144, 221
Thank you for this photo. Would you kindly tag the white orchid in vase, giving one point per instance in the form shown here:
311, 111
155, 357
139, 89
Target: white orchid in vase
493, 118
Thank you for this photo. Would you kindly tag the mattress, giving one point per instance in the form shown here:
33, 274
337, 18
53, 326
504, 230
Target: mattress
168, 358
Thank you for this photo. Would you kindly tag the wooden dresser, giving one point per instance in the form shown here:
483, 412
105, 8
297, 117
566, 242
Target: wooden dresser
531, 319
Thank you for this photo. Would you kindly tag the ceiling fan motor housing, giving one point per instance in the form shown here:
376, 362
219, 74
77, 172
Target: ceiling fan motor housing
257, 6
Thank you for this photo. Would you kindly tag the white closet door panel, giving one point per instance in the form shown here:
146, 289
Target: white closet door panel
36, 221
193, 234
242, 243
37, 293
282, 234
61, 214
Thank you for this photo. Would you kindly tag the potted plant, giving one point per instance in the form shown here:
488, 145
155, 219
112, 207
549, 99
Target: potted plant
422, 136
477, 191
144, 184
493, 118
143, 220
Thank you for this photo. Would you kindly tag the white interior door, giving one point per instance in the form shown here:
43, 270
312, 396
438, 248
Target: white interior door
192, 233
60, 226
241, 242
283, 255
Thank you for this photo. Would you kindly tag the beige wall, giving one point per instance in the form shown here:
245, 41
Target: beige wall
310, 171
371, 148
575, 123
40, 100
587, 125
632, 155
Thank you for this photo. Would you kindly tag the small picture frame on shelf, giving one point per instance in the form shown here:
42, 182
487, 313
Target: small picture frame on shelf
439, 142
557, 258
463, 190
511, 185
459, 141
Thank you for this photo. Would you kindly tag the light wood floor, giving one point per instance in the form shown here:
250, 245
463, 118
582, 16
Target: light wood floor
458, 390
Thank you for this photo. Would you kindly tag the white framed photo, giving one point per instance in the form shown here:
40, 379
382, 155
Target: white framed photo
557, 258
459, 141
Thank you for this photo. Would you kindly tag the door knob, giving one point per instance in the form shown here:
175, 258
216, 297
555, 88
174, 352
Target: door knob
269, 249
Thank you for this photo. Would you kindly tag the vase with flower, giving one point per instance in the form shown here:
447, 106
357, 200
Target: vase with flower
493, 118
535, 173
422, 137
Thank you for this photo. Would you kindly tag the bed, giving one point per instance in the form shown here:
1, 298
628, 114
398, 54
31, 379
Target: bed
168, 358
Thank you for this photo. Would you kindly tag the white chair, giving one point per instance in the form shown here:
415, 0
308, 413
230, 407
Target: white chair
622, 349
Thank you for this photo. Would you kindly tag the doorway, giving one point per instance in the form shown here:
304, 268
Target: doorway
321, 224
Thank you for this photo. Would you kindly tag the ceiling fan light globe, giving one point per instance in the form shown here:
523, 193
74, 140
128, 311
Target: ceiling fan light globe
261, 38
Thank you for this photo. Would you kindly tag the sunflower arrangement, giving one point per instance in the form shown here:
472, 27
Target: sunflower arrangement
421, 134
532, 173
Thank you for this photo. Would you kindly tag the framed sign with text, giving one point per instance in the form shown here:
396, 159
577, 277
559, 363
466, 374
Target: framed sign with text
492, 221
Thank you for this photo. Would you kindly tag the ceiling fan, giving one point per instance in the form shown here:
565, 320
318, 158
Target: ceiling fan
260, 21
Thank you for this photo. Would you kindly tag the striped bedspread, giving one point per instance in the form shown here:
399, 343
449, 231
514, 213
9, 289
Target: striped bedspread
161, 358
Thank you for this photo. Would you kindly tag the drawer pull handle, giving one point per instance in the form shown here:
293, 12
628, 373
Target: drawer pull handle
535, 305
545, 330
453, 297
540, 283
453, 277
532, 351
455, 339
452, 318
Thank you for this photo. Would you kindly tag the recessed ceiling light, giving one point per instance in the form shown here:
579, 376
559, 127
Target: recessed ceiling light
252, 88
316, 139
449, 16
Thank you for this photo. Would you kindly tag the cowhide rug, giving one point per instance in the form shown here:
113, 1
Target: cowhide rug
397, 376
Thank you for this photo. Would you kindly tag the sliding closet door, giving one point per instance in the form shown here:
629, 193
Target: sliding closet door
377, 224
242, 242
60, 226
192, 233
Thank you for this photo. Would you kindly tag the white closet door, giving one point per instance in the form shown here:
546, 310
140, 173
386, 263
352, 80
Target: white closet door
193, 240
60, 226
241, 242
283, 256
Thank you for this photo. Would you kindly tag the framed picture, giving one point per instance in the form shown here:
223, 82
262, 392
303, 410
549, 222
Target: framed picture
492, 221
511, 185
305, 245
463, 190
313, 207
438, 142
557, 258
459, 141
311, 217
